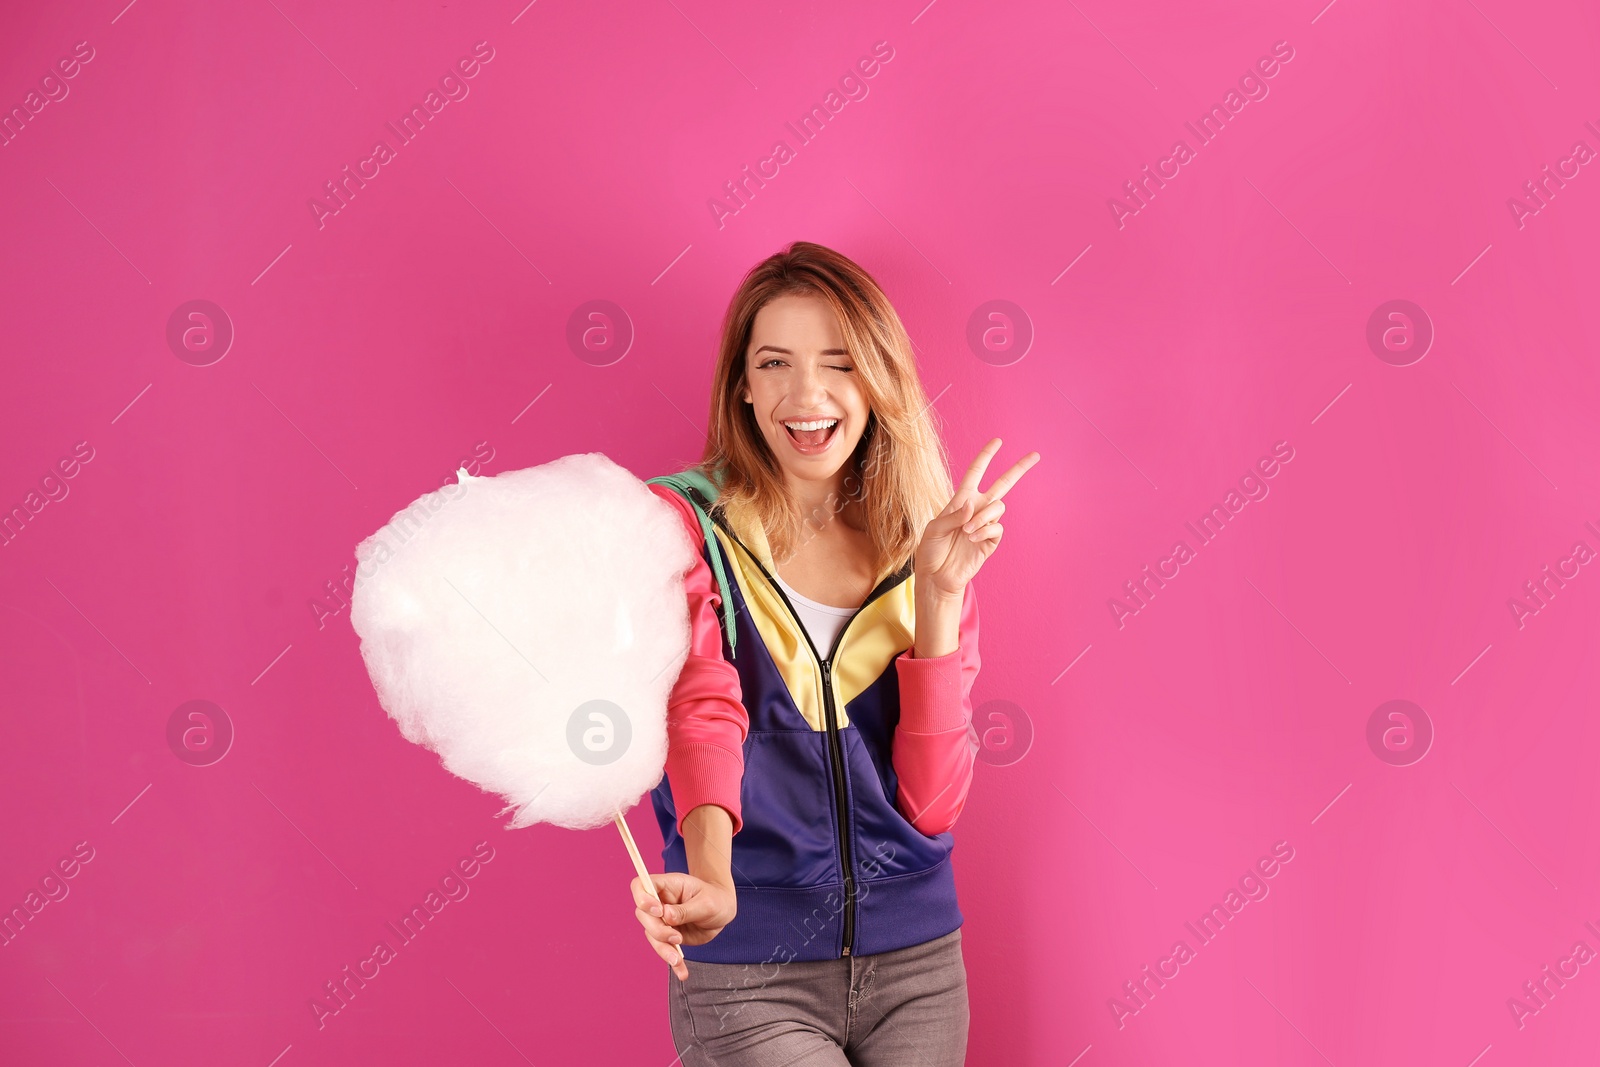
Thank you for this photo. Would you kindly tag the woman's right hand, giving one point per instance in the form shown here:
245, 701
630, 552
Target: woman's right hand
692, 911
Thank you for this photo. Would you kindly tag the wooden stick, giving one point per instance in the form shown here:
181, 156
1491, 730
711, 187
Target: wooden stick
638, 865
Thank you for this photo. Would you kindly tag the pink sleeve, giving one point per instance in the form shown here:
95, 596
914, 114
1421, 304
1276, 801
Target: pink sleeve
933, 752
706, 719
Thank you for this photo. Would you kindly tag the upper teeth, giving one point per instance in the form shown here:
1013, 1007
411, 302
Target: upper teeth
819, 424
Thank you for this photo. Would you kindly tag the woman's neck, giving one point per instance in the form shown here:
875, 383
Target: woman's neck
827, 501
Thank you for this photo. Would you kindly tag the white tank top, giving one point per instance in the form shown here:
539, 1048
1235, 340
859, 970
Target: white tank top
822, 621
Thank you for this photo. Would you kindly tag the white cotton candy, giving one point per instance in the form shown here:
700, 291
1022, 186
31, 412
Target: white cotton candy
493, 612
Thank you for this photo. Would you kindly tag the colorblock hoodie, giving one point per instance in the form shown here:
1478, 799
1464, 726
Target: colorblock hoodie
843, 770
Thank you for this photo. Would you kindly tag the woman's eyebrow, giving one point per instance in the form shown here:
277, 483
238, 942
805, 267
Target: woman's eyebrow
787, 352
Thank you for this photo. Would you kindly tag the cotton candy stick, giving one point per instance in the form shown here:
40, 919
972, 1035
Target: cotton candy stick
638, 864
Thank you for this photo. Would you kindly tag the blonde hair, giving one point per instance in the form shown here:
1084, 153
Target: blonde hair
899, 470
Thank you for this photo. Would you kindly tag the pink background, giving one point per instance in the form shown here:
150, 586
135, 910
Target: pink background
373, 354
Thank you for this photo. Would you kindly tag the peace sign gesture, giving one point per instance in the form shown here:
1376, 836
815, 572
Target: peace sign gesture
963, 535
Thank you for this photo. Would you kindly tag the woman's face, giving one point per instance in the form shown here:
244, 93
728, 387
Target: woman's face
797, 374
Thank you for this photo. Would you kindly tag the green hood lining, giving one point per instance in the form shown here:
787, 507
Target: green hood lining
696, 479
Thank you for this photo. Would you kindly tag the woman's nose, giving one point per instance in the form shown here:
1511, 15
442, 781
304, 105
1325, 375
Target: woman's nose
809, 386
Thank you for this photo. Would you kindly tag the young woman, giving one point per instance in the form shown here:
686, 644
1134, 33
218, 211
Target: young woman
818, 735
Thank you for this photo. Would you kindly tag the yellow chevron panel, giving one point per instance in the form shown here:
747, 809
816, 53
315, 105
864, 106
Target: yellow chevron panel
782, 636
883, 630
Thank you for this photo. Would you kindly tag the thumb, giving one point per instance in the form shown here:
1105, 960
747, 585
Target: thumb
671, 887
697, 907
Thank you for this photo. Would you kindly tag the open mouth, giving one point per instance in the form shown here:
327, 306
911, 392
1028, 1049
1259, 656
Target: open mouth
812, 436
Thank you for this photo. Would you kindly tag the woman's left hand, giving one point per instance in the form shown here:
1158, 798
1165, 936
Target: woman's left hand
967, 531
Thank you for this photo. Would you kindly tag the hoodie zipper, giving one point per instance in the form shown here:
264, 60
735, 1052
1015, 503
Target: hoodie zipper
841, 800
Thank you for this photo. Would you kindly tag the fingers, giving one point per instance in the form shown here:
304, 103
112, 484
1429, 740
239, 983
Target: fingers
664, 940
974, 474
695, 908
672, 955
670, 887
958, 511
655, 929
1004, 483
990, 532
984, 515
957, 504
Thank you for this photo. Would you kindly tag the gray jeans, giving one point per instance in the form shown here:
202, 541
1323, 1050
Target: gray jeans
906, 1008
